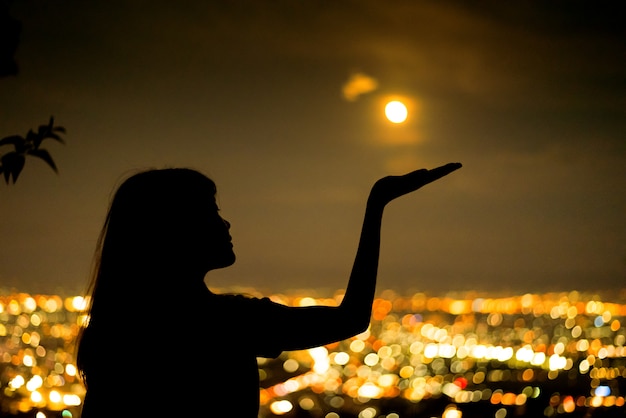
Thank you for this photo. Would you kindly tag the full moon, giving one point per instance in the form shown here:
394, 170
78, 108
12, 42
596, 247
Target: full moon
396, 111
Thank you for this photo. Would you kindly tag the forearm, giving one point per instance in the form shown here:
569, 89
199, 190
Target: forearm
361, 288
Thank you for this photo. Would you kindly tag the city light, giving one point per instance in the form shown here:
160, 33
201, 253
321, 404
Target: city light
552, 354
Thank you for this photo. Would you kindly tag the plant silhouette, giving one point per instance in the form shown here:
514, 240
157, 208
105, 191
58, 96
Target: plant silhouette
12, 162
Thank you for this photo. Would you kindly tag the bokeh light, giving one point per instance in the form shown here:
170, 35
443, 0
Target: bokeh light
508, 355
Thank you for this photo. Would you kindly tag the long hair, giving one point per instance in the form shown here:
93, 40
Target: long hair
152, 228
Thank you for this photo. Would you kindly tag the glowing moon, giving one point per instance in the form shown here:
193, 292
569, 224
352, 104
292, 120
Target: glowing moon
396, 111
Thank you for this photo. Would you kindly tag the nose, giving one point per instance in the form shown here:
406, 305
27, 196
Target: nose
226, 223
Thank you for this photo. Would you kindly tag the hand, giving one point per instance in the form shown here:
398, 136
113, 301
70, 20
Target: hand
391, 187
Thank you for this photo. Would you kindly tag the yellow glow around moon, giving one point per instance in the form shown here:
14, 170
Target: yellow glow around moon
396, 111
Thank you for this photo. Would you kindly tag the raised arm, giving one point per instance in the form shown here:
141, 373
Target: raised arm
319, 325
359, 296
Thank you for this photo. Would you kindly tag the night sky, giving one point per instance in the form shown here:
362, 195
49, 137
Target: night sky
281, 103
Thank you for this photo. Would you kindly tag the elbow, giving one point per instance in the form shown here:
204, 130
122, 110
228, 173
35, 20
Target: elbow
362, 329
359, 326
355, 321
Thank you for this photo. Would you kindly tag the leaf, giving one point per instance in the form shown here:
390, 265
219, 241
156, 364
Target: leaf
31, 138
44, 155
12, 164
14, 140
48, 131
54, 136
42, 130
36, 138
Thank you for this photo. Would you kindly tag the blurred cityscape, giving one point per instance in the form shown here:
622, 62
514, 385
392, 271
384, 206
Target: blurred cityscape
447, 356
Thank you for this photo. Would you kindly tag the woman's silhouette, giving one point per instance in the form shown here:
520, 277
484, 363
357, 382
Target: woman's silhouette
160, 343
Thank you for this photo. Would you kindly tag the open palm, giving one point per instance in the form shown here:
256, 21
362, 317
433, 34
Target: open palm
391, 187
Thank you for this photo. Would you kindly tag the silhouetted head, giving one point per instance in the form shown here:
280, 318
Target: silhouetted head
164, 222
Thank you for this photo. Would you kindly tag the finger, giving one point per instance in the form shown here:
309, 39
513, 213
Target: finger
423, 176
444, 170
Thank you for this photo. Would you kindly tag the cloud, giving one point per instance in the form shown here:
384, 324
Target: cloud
358, 84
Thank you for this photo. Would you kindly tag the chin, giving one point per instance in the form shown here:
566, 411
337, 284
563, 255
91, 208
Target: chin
226, 261
231, 261
217, 256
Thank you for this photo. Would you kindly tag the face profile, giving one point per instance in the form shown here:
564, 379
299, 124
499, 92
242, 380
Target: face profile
167, 220
219, 252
